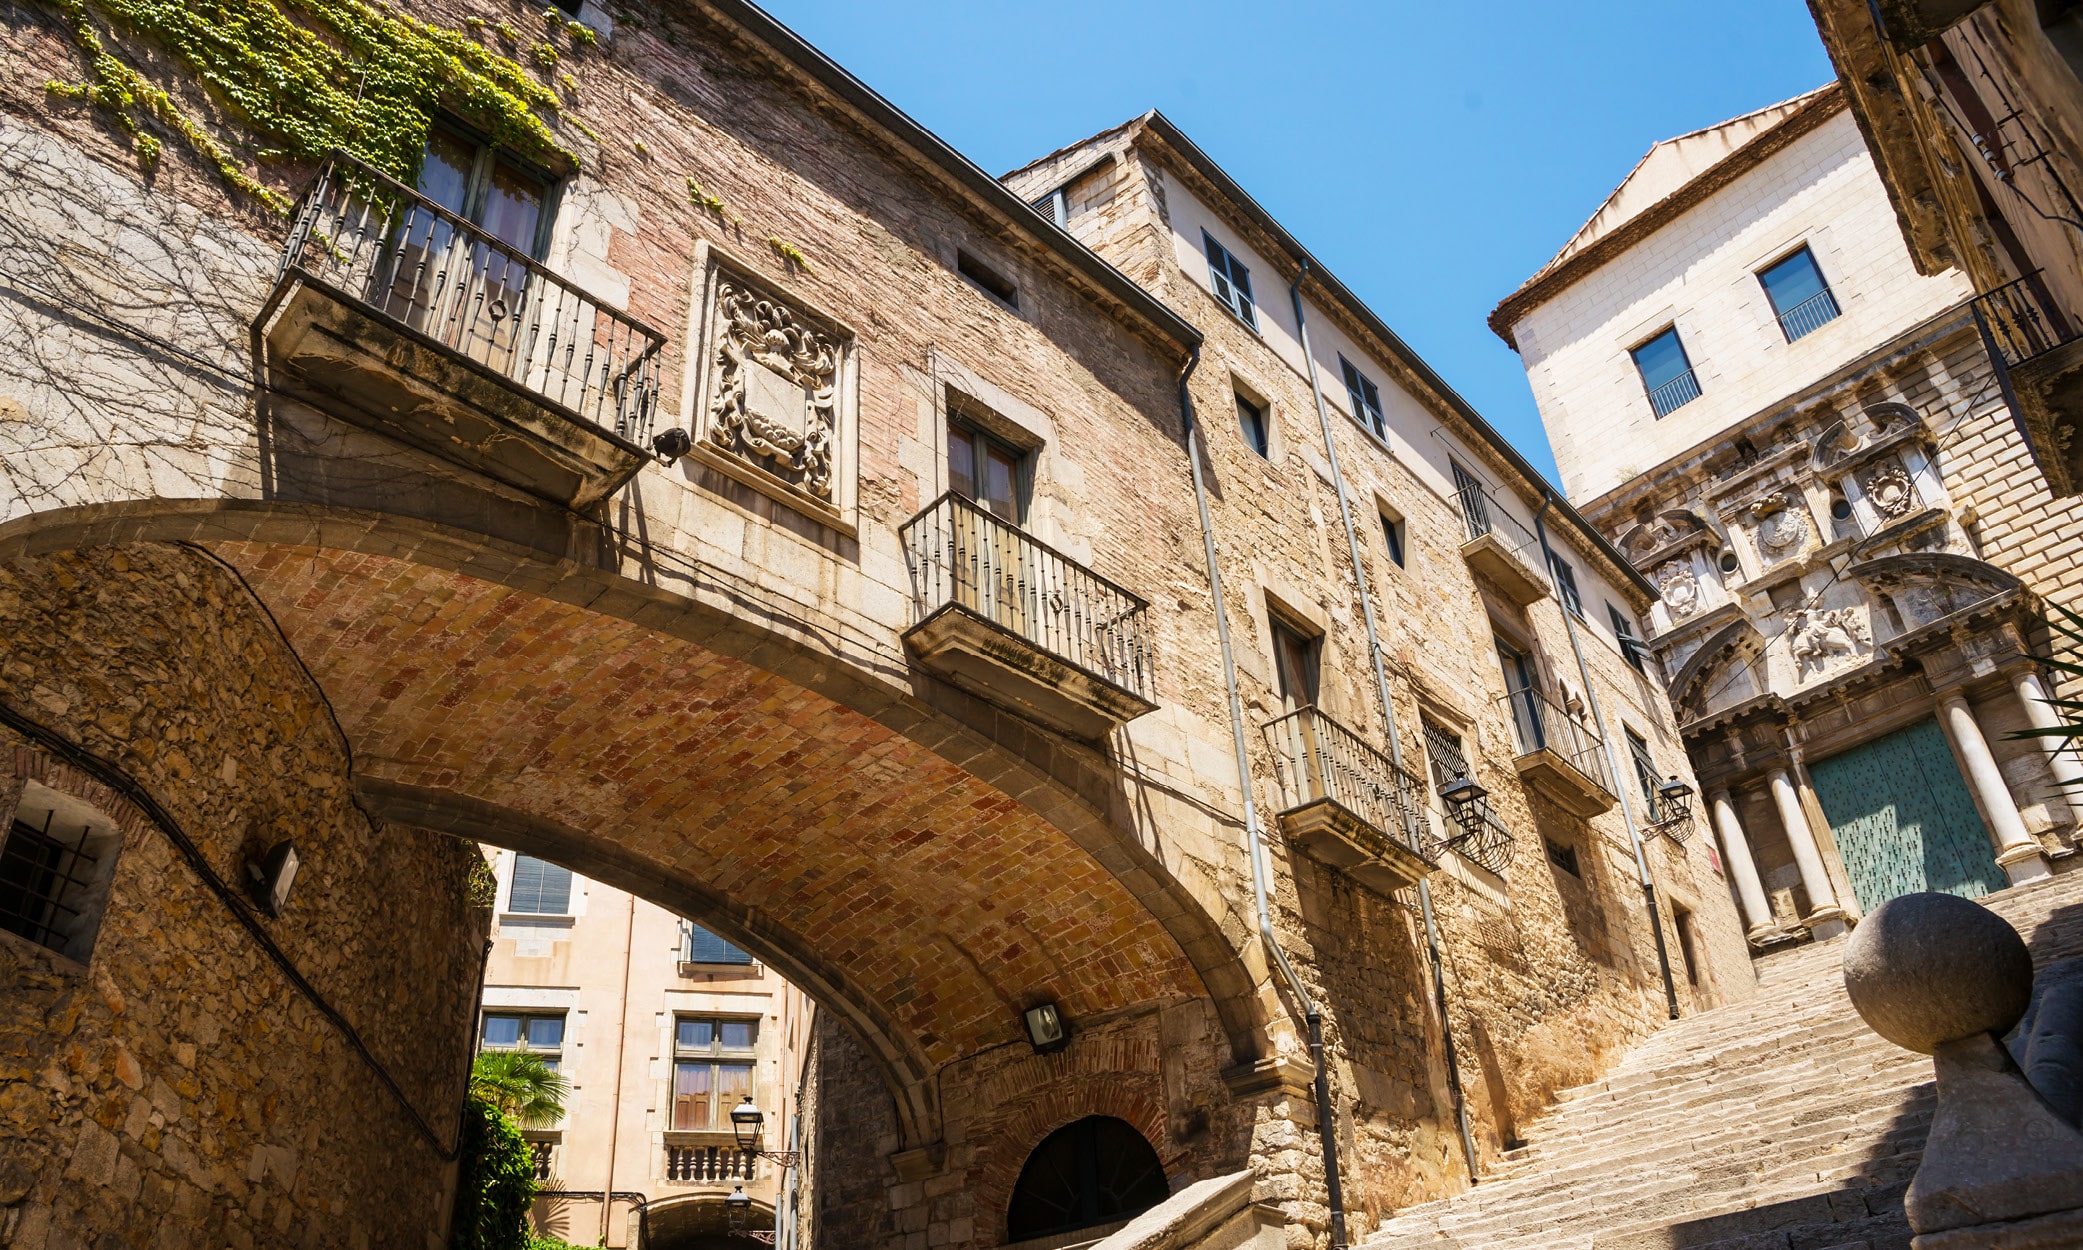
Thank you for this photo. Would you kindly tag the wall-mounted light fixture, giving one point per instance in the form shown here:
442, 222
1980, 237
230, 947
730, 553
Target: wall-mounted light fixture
670, 445
1674, 809
749, 1125
273, 874
1045, 1028
1468, 804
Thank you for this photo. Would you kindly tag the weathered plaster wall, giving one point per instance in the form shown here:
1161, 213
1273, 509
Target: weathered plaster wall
178, 1089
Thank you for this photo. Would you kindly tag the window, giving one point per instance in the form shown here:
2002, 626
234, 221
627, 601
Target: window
1231, 280
489, 189
538, 1033
1056, 207
1645, 767
1251, 422
1800, 298
56, 862
983, 470
1666, 373
1366, 400
1392, 534
1566, 585
1294, 664
699, 946
994, 283
1729, 562
1475, 504
1563, 857
539, 888
1624, 631
712, 1069
1090, 1172
1443, 755
1522, 694
1682, 920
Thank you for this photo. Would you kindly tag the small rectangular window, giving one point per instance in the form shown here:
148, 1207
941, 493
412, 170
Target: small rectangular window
1681, 919
1251, 423
1056, 207
1365, 397
699, 946
1645, 765
1566, 585
1800, 298
1624, 631
1231, 280
539, 888
1563, 857
56, 861
539, 1033
712, 1069
994, 283
1392, 534
1666, 373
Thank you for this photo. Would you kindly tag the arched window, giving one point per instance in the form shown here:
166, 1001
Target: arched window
1094, 1171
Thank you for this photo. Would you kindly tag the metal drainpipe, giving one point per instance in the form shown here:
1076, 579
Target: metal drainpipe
1388, 717
1627, 812
1254, 843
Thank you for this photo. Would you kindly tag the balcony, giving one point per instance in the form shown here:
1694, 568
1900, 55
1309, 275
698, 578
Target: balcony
2038, 357
1809, 315
397, 315
690, 1160
1558, 756
1500, 548
1347, 805
1016, 622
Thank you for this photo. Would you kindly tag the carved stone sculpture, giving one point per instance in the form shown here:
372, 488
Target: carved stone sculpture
777, 381
1681, 591
1891, 491
1817, 636
1781, 524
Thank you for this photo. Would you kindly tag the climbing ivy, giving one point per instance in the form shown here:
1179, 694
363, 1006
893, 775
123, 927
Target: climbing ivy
349, 75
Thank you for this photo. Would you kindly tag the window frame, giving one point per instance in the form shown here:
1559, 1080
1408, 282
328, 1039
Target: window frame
1649, 391
1228, 274
689, 928
981, 441
1365, 398
513, 881
1566, 584
552, 1056
485, 157
1645, 765
988, 278
1261, 415
1395, 535
1308, 644
99, 845
1825, 290
715, 1058
1624, 634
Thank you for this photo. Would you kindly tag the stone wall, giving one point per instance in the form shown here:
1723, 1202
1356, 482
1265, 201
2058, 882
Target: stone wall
178, 1088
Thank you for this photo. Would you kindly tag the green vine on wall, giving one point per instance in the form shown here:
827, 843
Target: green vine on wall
373, 95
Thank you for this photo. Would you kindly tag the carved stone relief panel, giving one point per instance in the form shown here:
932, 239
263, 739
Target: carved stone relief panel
1681, 589
1891, 491
775, 403
1781, 525
1817, 638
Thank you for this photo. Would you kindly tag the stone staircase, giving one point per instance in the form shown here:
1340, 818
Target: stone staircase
1779, 1123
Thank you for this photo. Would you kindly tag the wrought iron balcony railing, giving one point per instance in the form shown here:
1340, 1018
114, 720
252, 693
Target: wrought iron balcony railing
1808, 316
2020, 320
1318, 758
1483, 516
1540, 724
374, 242
961, 556
1674, 394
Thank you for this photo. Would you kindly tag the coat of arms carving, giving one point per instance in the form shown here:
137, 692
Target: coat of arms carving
1681, 591
775, 398
1781, 524
1891, 491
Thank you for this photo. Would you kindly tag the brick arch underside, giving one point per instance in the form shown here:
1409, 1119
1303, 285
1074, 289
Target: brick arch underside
923, 903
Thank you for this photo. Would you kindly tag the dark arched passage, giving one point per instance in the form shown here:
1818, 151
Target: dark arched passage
1090, 1172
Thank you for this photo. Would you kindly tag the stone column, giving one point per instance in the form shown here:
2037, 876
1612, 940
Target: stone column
2016, 850
1825, 917
2068, 770
1735, 848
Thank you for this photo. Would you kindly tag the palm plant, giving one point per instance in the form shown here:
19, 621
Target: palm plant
2067, 627
521, 1085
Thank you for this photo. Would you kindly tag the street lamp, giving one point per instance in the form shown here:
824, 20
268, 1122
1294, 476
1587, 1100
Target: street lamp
1674, 809
748, 1125
1468, 804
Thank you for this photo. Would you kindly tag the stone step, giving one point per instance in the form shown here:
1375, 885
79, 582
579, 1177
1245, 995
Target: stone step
1777, 1122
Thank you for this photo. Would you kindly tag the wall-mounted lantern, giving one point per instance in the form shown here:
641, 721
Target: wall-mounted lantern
1468, 804
749, 1125
1045, 1028
273, 875
1674, 809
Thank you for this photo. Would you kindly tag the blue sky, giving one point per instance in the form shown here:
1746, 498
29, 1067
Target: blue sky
1433, 155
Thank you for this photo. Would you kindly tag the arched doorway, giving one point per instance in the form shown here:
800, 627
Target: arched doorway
1094, 1171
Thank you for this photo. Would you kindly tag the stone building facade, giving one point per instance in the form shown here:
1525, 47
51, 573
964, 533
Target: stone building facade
1827, 485
1973, 110
738, 498
661, 1028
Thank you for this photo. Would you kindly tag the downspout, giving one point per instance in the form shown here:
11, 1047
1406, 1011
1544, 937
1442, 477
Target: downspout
1388, 717
1627, 811
1254, 842
621, 1045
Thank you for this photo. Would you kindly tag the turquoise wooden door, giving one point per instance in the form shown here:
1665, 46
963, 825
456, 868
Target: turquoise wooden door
1904, 820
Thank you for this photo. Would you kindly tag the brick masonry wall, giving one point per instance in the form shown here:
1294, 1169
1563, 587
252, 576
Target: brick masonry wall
178, 1090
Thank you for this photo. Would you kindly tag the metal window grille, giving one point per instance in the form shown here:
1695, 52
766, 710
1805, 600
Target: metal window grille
699, 946
1674, 394
45, 876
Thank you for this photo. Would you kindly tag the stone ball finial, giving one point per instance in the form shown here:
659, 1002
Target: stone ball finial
1925, 969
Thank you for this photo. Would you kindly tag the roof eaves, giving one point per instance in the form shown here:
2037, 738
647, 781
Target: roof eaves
1205, 165
793, 48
